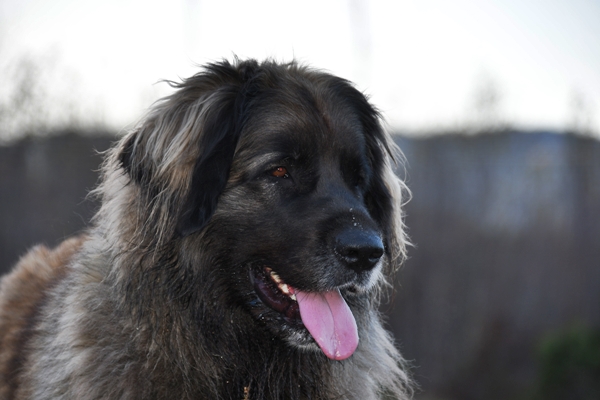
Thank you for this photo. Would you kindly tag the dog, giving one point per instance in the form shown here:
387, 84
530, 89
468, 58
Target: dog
245, 231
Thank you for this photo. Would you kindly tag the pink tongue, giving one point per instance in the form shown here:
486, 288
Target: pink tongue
330, 322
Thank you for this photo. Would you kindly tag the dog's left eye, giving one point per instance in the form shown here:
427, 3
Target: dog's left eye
358, 179
280, 172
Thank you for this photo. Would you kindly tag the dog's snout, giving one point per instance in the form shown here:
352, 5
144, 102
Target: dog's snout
359, 250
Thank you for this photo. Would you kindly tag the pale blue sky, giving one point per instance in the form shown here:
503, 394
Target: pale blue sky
423, 62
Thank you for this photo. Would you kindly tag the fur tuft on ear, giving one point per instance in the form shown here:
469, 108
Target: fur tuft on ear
128, 162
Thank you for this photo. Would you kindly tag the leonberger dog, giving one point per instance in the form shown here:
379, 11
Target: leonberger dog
240, 251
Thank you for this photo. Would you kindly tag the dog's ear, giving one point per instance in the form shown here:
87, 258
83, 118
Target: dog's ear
160, 150
211, 170
181, 153
222, 127
386, 198
385, 194
378, 197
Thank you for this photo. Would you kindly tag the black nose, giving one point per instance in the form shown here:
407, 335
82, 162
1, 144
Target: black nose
359, 250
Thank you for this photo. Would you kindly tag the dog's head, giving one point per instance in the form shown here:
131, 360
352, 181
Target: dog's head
281, 177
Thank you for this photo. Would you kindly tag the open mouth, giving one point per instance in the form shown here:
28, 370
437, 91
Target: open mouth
276, 294
325, 315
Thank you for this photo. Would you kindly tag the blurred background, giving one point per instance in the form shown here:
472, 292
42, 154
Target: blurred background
495, 104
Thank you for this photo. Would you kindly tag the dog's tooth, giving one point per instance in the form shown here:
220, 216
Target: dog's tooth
284, 288
275, 277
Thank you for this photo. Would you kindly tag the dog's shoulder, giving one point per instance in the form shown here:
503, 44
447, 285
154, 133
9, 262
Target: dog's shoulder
23, 293
35, 271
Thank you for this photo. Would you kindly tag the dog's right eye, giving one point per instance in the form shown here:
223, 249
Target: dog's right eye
280, 172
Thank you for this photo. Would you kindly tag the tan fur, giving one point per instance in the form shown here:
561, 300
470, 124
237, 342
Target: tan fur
22, 294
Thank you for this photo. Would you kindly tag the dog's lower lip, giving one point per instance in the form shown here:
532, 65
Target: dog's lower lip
271, 295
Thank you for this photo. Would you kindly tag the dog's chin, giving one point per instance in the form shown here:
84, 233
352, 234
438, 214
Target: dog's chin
275, 305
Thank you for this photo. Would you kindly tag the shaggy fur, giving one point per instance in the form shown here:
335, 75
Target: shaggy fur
245, 169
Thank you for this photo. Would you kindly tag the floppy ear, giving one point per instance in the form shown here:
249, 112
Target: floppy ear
222, 127
157, 157
388, 194
378, 197
384, 197
211, 171
180, 155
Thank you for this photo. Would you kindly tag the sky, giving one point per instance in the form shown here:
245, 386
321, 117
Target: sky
428, 65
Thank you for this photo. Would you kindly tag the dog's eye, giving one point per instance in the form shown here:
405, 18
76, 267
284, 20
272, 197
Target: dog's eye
280, 172
358, 179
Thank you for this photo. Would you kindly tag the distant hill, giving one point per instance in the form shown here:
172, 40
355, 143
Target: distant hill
43, 187
507, 247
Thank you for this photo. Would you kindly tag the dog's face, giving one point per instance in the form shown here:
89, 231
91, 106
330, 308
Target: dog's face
298, 197
291, 193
